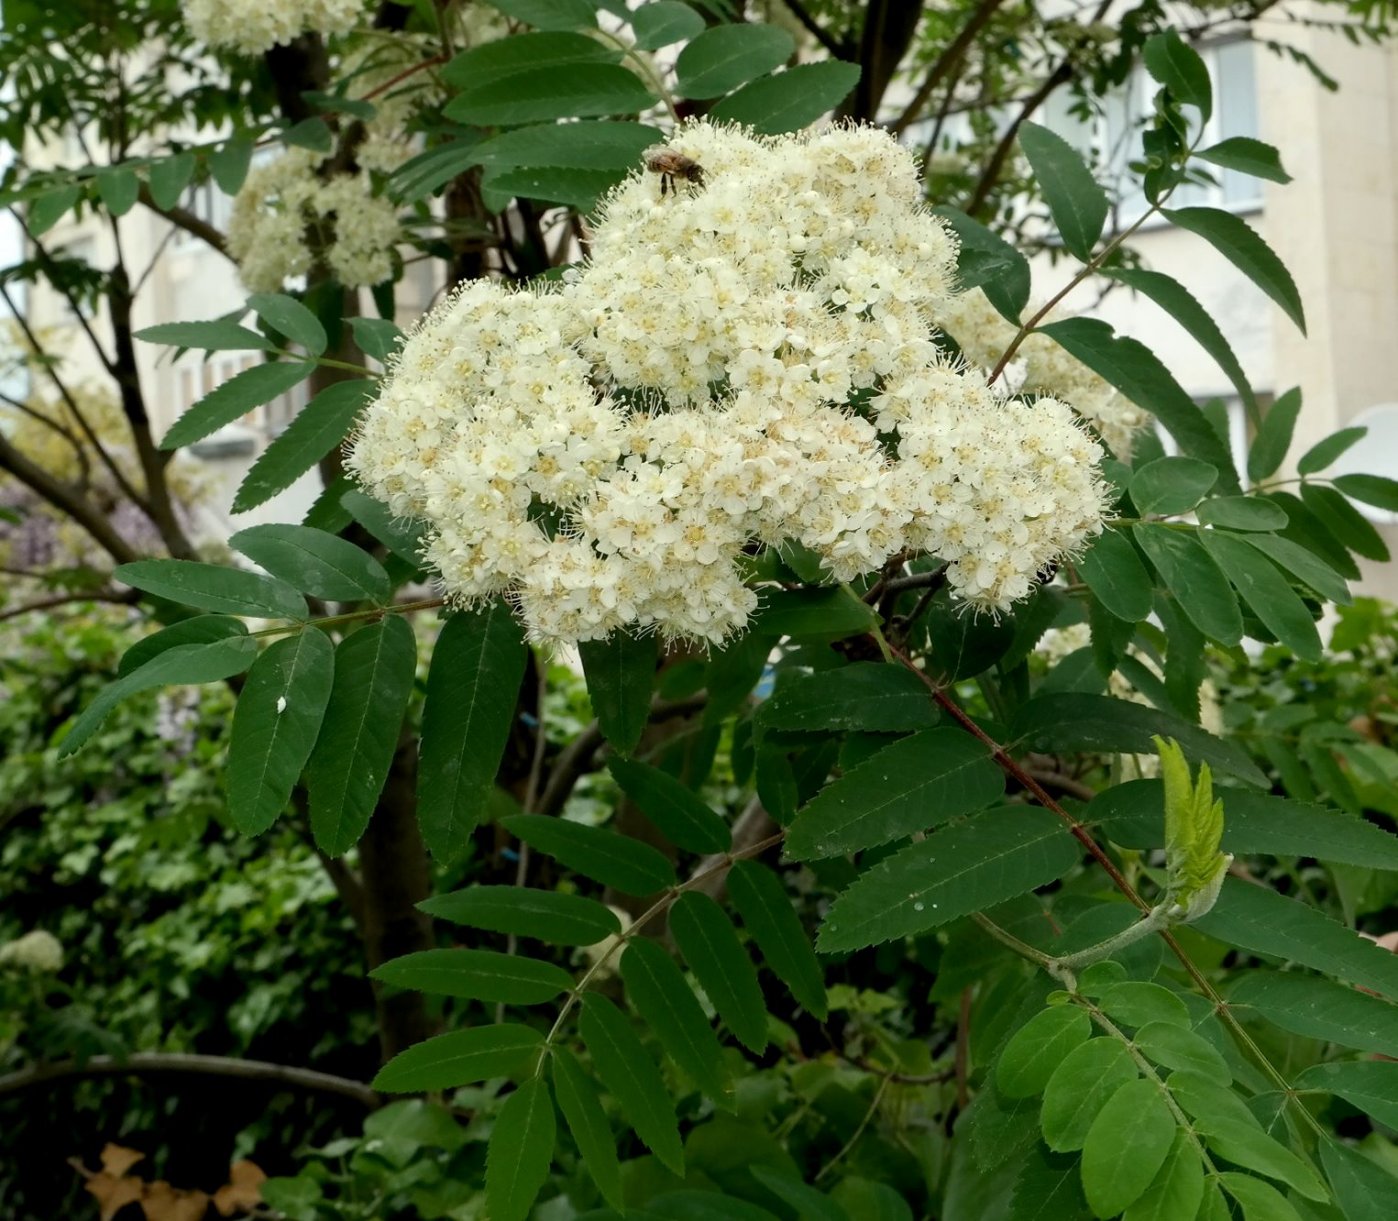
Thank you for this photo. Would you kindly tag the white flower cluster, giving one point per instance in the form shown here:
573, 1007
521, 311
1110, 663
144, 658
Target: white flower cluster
1043, 367
36, 951
251, 27
744, 360
283, 199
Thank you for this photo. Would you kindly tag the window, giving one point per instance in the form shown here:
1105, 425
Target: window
208, 202
1112, 138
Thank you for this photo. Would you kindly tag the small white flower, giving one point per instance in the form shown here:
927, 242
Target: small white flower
37, 951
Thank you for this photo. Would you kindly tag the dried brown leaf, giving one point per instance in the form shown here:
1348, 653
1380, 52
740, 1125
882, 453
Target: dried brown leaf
243, 1189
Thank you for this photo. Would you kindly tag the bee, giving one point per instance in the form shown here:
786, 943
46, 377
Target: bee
671, 165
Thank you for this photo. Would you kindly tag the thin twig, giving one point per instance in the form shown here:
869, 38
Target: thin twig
859, 1131
91, 595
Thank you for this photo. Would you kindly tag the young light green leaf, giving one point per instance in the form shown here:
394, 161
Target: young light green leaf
1137, 372
1266, 591
1233, 238
1327, 449
315, 562
1177, 1047
1364, 1190
214, 587
587, 1121
477, 666
1076, 202
916, 783
201, 629
540, 93
1177, 1189
659, 992
233, 399
1169, 486
1194, 865
1370, 1085
184, 663
1194, 577
1114, 572
218, 335
600, 853
725, 56
956, 870
710, 945
681, 814
479, 975
1260, 1201
788, 100
1274, 437
374, 673
462, 1057
1078, 1088
1242, 513
631, 1076
1177, 301
1182, 71
620, 671
545, 915
866, 696
289, 317
316, 429
1125, 1147
771, 920
1320, 1009
520, 1151
1038, 1048
275, 724
1258, 919
664, 22
1247, 156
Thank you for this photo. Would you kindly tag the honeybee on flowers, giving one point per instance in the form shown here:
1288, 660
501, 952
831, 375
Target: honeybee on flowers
670, 165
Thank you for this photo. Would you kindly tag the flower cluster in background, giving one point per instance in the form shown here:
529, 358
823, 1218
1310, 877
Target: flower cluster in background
742, 361
1042, 367
285, 212
251, 27
36, 951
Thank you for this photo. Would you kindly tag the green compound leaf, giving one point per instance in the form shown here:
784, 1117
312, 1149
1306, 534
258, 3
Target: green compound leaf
600, 853
1370, 1085
956, 870
1320, 1009
789, 100
318, 427
589, 144
1273, 439
659, 992
462, 1057
169, 177
205, 662
916, 783
1258, 919
1126, 1146
864, 696
1135, 1003
403, 537
537, 93
119, 189
770, 918
825, 614
315, 562
1376, 490
1364, 1190
1114, 572
663, 23
587, 1121
520, 1151
374, 672
201, 629
710, 945
1252, 1148
1075, 201
680, 814
1242, 513
480, 975
1181, 69
726, 56
229, 163
292, 319
218, 335
1172, 485
1260, 1201
1175, 1047
275, 724
477, 667
810, 1204
1247, 156
633, 1079
1177, 1189
214, 587
1038, 1048
233, 399
1233, 238
1328, 449
620, 671
545, 915
1078, 1088
1344, 522
1194, 577
550, 14
1266, 591
502, 57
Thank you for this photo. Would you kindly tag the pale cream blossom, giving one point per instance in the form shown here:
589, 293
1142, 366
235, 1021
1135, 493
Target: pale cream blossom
251, 27
37, 951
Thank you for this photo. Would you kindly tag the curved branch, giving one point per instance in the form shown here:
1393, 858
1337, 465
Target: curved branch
146, 1064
